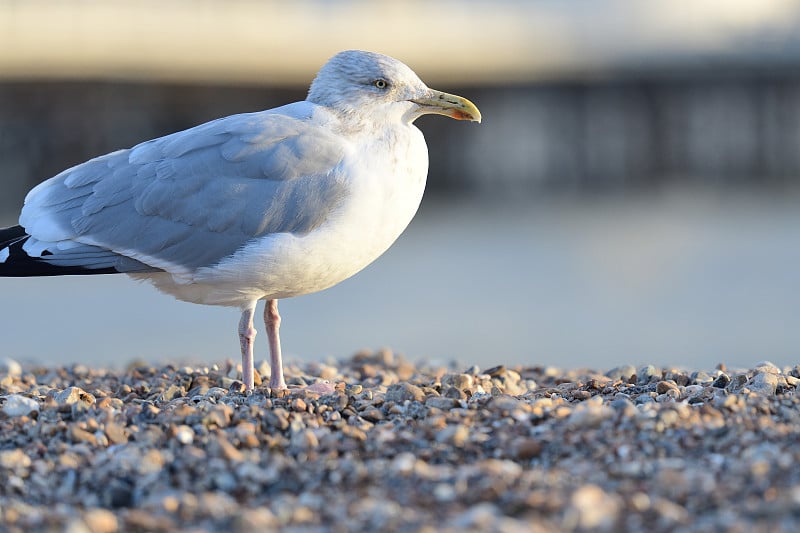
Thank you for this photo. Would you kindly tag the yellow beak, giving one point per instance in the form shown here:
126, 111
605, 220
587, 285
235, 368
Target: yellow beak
449, 105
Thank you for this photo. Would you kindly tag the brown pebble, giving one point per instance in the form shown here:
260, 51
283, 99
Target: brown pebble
228, 450
77, 434
101, 521
663, 386
525, 448
299, 405
372, 414
580, 395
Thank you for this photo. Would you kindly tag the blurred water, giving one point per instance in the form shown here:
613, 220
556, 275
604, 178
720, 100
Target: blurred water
684, 278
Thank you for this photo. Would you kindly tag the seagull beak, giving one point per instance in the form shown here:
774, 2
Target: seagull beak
449, 105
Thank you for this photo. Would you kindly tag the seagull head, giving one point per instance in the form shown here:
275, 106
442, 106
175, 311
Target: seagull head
356, 83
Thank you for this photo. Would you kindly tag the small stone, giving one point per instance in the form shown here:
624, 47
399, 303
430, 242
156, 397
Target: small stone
77, 434
403, 463
400, 392
701, 377
184, 434
456, 434
496, 371
277, 418
693, 391
589, 414
722, 381
76, 525
237, 387
14, 459
152, 461
640, 502
116, 433
259, 519
101, 521
454, 393
444, 492
353, 389
172, 392
504, 403
623, 372
737, 383
354, 433
592, 508
18, 405
663, 386
440, 402
9, 367
623, 405
525, 449
73, 395
229, 451
680, 378
764, 383
580, 395
647, 374
458, 381
219, 416
766, 367
372, 414
304, 440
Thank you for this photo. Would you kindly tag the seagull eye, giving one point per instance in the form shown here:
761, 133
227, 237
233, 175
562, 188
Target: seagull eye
380, 83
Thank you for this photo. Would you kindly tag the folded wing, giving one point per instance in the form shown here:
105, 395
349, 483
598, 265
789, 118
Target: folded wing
192, 198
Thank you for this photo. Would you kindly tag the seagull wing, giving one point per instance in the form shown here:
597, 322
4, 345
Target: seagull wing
190, 199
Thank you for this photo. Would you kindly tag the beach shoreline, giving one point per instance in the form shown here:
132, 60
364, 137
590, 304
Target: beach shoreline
399, 446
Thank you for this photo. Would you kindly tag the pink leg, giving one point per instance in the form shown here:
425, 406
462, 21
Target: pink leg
273, 322
247, 334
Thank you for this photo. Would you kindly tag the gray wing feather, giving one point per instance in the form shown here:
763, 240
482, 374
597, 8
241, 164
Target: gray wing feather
192, 198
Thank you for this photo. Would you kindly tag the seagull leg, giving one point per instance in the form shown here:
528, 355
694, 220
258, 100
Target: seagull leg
272, 320
247, 334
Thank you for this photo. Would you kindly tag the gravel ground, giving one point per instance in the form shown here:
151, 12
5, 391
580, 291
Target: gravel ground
399, 447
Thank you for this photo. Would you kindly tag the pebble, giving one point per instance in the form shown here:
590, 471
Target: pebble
722, 381
101, 521
621, 372
664, 386
395, 446
19, 405
14, 459
589, 414
592, 508
458, 381
184, 434
764, 383
10, 368
647, 373
71, 396
441, 402
401, 392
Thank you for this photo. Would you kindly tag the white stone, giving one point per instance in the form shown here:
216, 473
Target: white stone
19, 405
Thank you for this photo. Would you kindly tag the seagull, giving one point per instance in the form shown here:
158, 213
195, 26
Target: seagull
254, 206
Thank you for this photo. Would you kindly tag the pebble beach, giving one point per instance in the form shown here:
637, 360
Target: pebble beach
399, 446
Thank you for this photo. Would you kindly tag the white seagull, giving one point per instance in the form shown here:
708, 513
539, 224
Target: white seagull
256, 206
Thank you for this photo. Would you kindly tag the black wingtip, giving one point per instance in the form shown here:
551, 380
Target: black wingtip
15, 263
10, 235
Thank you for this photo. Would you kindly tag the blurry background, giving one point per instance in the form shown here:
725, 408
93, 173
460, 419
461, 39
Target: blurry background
632, 196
